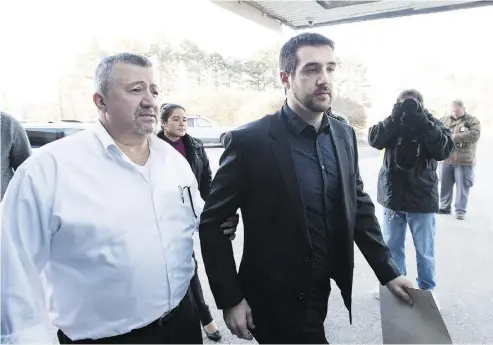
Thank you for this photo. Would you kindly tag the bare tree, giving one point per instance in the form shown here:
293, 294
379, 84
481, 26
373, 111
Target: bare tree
217, 65
167, 64
195, 60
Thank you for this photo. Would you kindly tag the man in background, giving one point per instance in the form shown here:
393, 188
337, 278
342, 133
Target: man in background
15, 148
414, 141
459, 168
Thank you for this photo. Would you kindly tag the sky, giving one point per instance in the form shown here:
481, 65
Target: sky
43, 36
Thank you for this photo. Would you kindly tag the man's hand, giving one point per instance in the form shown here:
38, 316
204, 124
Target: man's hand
396, 113
230, 226
418, 120
239, 319
399, 287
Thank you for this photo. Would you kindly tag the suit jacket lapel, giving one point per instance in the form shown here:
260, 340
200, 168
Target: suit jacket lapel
282, 153
342, 151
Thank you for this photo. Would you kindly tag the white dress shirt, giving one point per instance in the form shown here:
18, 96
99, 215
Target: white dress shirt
114, 240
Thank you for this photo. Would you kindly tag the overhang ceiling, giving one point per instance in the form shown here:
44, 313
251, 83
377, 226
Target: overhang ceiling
304, 14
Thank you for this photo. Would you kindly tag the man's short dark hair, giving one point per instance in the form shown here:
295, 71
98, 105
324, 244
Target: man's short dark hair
410, 93
105, 69
288, 59
167, 109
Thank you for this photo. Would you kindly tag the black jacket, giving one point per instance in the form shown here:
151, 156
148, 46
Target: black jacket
257, 175
198, 160
414, 190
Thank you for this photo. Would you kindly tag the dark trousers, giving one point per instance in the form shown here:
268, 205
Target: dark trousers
312, 328
198, 297
463, 178
180, 326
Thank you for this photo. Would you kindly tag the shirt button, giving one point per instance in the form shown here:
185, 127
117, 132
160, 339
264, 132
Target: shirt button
306, 259
323, 167
301, 296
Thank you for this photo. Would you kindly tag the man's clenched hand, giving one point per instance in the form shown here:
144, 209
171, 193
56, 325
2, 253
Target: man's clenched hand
230, 226
239, 319
399, 287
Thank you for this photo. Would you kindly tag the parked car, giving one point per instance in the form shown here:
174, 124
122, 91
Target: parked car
42, 133
206, 130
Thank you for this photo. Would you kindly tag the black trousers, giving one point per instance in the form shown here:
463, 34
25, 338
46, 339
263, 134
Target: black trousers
180, 326
316, 312
312, 329
198, 297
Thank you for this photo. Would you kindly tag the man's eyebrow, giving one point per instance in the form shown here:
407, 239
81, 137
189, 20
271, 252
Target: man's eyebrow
139, 82
315, 64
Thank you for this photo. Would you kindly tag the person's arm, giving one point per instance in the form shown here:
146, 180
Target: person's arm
381, 134
21, 148
432, 133
25, 250
206, 178
470, 136
222, 202
437, 139
367, 234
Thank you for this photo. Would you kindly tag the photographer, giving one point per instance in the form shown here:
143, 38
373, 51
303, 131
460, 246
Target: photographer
407, 184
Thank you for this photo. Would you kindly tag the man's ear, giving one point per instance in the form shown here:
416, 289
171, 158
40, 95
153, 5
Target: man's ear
285, 80
99, 101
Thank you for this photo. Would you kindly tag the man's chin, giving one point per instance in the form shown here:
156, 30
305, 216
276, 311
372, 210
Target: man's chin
145, 129
319, 108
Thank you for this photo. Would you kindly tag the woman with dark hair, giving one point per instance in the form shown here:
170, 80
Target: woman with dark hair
174, 131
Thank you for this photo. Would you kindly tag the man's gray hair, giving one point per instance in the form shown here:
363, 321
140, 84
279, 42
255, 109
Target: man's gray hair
458, 103
105, 69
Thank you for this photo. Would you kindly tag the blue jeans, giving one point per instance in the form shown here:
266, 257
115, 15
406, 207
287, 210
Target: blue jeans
422, 227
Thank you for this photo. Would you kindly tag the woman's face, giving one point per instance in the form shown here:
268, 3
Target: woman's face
176, 126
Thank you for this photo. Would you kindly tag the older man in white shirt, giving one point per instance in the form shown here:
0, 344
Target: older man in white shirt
108, 216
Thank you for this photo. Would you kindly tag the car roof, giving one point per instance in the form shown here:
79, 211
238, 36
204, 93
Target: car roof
57, 125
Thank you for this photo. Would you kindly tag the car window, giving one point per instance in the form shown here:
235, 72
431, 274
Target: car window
203, 123
190, 123
42, 136
70, 131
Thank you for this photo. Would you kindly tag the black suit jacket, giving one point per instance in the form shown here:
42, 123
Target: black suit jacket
257, 175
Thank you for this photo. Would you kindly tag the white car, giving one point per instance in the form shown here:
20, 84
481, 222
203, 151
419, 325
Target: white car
206, 130
42, 133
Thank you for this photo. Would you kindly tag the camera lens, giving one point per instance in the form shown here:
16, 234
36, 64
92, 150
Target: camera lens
410, 106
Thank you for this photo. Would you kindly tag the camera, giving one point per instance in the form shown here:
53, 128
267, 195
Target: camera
411, 106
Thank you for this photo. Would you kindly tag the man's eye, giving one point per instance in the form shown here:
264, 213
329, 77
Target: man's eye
138, 89
312, 70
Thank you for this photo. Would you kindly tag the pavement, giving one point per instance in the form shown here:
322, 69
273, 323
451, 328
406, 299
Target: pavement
463, 260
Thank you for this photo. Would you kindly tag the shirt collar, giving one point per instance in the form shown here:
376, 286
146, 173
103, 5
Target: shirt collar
109, 143
297, 125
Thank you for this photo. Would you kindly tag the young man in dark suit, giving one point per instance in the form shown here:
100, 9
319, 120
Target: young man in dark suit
295, 177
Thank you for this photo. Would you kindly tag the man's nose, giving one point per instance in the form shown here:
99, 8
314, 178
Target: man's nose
325, 79
148, 100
